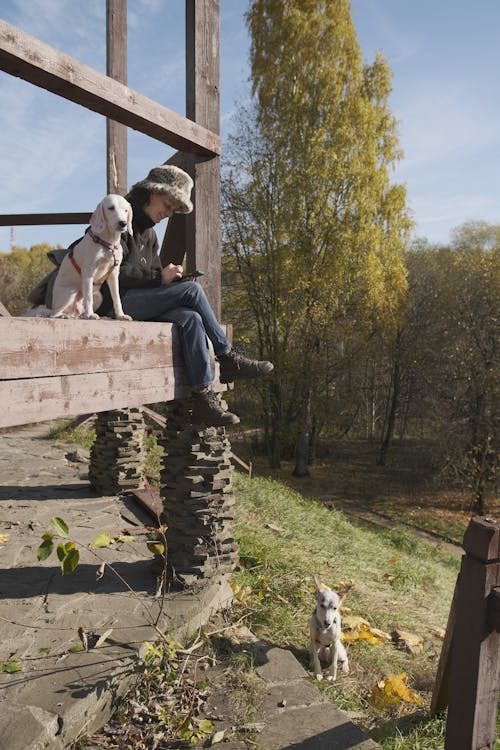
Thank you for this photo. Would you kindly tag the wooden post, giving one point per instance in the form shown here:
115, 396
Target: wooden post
439, 699
199, 233
116, 68
475, 658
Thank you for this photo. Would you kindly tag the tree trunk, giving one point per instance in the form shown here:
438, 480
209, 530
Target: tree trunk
302, 443
393, 406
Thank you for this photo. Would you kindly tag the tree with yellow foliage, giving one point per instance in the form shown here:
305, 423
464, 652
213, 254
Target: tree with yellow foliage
20, 271
312, 221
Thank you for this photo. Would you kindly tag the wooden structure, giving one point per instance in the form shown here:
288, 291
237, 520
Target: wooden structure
469, 669
59, 368
196, 136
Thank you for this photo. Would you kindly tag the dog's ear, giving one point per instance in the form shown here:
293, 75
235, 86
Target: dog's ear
98, 219
129, 220
318, 585
343, 591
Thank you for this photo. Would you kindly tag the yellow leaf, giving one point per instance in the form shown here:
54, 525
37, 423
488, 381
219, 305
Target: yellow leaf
393, 690
393, 560
388, 576
241, 593
356, 628
353, 622
4, 538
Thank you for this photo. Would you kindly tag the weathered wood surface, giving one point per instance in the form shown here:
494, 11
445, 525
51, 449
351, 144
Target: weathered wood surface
43, 399
198, 235
203, 232
475, 657
35, 347
34, 61
22, 220
116, 68
60, 368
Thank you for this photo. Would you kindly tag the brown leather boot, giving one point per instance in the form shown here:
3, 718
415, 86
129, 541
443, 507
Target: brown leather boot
207, 410
235, 366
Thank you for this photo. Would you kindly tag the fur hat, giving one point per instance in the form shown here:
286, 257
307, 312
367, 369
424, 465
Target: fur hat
172, 181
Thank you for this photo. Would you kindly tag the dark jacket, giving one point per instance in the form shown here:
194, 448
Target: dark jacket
141, 267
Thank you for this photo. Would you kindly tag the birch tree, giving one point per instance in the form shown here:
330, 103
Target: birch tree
312, 221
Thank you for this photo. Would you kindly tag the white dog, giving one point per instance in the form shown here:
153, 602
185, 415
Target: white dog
95, 259
325, 628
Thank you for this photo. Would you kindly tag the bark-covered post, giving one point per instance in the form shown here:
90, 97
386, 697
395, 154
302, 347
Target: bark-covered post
475, 651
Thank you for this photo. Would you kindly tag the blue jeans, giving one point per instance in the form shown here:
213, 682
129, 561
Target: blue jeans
184, 303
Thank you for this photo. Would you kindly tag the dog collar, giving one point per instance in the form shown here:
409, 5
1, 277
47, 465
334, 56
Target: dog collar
109, 245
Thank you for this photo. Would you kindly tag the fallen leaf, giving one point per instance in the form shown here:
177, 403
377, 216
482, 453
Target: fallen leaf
393, 690
218, 737
356, 628
4, 538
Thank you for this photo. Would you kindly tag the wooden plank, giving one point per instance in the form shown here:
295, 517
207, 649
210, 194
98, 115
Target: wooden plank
47, 398
34, 347
203, 232
26, 57
25, 220
116, 68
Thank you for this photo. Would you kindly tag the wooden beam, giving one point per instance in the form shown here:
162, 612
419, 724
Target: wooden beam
47, 398
60, 368
203, 233
24, 220
116, 68
35, 347
26, 57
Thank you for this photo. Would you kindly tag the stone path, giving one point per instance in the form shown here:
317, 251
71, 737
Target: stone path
60, 694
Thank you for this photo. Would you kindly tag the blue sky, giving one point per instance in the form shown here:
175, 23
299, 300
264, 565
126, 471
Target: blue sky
445, 58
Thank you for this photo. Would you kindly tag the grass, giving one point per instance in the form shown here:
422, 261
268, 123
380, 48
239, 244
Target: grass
285, 539
61, 431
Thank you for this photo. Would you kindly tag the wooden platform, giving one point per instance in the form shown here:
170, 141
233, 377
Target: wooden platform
59, 368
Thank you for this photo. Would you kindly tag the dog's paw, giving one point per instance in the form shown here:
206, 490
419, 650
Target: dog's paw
345, 667
319, 676
331, 677
124, 317
89, 316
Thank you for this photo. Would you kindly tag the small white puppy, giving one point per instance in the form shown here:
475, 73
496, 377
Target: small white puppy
325, 628
95, 259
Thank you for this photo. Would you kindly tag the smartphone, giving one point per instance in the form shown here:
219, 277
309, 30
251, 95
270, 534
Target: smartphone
192, 275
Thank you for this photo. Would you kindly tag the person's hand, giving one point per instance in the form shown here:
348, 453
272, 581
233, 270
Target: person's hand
170, 272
